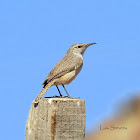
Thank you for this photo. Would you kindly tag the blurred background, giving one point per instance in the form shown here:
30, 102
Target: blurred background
34, 35
124, 124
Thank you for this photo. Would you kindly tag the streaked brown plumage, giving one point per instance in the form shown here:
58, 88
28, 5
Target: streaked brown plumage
66, 70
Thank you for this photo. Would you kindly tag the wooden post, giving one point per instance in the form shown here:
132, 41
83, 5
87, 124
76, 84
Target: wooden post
56, 119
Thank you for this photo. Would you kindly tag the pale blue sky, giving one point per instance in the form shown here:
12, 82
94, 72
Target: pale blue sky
34, 35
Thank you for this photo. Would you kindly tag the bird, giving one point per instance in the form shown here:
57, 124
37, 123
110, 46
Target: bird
66, 70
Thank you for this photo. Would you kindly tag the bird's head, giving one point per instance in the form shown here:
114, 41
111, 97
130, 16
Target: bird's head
80, 47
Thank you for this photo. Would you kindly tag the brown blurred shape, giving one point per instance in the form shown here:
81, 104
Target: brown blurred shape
125, 126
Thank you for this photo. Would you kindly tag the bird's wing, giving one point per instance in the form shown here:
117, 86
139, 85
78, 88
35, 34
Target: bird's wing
65, 65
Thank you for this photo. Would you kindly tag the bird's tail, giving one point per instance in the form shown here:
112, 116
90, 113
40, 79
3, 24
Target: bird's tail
43, 91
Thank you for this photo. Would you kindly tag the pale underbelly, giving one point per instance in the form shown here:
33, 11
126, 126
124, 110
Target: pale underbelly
67, 78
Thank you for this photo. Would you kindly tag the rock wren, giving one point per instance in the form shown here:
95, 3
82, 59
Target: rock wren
66, 70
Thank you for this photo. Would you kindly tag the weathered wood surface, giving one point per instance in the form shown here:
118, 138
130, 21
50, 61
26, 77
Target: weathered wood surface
56, 119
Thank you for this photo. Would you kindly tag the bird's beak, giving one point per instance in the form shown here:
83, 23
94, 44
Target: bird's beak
91, 44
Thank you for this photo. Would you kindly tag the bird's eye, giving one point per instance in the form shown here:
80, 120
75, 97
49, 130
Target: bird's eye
79, 46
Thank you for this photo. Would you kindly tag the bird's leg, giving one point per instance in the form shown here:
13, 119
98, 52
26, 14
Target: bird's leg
58, 90
66, 91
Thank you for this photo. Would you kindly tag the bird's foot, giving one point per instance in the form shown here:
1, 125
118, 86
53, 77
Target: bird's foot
72, 97
62, 97
58, 96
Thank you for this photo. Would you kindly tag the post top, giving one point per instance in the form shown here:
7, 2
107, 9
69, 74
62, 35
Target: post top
61, 99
